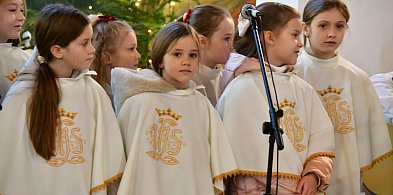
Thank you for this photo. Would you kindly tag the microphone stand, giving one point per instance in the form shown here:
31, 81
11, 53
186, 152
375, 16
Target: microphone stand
269, 128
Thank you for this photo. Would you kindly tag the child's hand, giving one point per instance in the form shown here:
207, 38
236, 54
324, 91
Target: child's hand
250, 64
307, 185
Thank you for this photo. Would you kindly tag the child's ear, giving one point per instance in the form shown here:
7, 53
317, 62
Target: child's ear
203, 41
306, 30
269, 38
56, 51
107, 60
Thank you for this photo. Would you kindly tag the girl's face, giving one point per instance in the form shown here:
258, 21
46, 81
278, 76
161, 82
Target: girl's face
216, 49
11, 19
326, 33
180, 63
283, 49
125, 55
78, 55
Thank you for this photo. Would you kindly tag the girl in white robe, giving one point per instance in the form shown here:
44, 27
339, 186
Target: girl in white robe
174, 139
82, 152
305, 163
12, 17
216, 30
116, 46
361, 134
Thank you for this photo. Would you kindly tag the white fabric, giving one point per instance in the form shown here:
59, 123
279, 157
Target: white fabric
361, 135
12, 60
242, 25
383, 84
89, 154
171, 154
234, 61
307, 129
210, 78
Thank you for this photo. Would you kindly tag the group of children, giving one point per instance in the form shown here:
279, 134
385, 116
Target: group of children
156, 131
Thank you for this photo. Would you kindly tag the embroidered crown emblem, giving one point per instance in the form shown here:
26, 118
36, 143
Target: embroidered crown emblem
168, 112
287, 103
12, 76
64, 113
330, 89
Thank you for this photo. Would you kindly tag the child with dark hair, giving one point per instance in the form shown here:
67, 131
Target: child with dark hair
66, 139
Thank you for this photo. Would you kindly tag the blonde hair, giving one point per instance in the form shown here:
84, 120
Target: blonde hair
105, 39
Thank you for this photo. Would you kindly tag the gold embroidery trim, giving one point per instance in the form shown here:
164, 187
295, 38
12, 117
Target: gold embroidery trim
225, 175
318, 154
293, 127
376, 161
168, 112
264, 174
106, 182
330, 89
165, 138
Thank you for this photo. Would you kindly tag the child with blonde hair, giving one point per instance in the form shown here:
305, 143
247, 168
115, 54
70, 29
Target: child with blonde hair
116, 46
12, 17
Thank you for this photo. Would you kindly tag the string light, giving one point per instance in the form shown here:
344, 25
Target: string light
90, 7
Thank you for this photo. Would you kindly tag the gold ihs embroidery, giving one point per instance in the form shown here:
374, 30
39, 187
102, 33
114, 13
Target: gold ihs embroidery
165, 138
339, 111
11, 77
293, 128
69, 142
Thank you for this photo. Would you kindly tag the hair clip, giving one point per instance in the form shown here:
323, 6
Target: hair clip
187, 15
106, 18
41, 59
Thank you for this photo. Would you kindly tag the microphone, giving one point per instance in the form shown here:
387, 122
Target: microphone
249, 11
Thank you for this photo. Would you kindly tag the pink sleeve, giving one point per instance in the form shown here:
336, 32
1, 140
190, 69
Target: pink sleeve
226, 77
321, 166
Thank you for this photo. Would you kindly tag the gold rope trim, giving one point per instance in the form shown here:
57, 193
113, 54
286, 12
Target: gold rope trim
225, 175
318, 154
376, 161
264, 174
106, 182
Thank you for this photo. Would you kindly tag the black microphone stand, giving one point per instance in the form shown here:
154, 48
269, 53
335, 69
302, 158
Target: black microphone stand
270, 128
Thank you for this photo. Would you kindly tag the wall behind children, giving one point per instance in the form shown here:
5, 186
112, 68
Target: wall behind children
369, 41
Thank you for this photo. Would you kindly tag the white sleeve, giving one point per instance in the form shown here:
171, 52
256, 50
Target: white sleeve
383, 84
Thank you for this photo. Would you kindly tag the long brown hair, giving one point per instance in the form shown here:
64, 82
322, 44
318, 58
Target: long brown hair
105, 39
274, 17
166, 38
315, 7
57, 25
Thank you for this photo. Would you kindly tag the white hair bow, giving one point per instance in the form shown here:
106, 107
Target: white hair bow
242, 25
